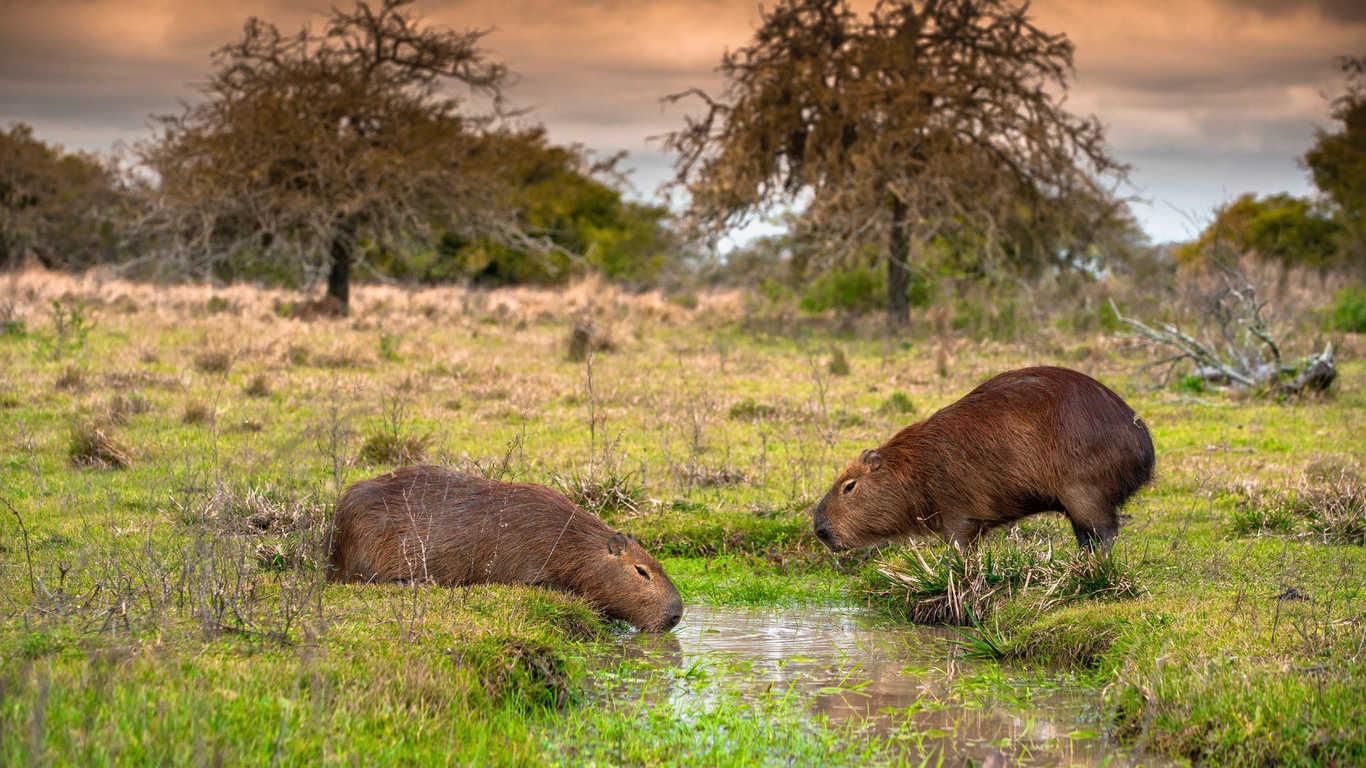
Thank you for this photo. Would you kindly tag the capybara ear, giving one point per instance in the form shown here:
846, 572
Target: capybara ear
871, 459
617, 544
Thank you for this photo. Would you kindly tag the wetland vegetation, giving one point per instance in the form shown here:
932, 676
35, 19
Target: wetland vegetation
172, 454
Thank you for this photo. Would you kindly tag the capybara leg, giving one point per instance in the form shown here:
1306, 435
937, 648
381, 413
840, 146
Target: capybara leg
964, 535
1094, 522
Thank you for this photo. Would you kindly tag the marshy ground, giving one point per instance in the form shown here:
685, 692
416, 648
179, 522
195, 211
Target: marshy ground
169, 457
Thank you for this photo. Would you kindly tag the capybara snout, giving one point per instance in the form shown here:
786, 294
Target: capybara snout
433, 524
1023, 442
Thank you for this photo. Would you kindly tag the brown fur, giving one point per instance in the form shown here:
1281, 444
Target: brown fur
429, 523
1027, 441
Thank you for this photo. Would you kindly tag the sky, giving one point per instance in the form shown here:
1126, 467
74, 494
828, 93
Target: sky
1205, 99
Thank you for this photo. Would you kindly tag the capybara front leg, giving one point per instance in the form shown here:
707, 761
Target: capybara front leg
964, 536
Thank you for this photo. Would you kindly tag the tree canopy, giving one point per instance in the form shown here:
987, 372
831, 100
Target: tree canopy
1337, 161
308, 145
1281, 227
919, 121
61, 208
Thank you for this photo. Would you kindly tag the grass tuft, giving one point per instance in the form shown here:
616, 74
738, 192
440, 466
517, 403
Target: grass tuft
71, 379
750, 409
197, 412
94, 444
949, 587
601, 491
896, 404
839, 362
394, 448
1326, 505
259, 386
214, 360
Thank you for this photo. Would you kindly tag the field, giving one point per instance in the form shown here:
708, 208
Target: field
170, 456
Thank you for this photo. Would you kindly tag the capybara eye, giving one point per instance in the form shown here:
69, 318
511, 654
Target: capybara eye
642, 572
849, 486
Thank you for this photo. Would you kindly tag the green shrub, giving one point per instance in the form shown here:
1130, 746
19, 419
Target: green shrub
750, 409
896, 403
856, 290
1348, 312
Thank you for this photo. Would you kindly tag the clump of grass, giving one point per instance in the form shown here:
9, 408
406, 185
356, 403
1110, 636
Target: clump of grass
942, 589
122, 407
389, 344
259, 386
981, 643
395, 449
197, 412
340, 357
251, 510
214, 360
94, 444
1327, 504
602, 491
71, 379
1091, 577
896, 404
954, 588
587, 338
750, 409
218, 305
839, 362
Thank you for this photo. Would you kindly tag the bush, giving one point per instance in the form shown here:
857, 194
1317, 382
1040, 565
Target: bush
856, 290
1348, 312
896, 403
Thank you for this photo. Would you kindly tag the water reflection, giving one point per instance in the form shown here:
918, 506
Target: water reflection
903, 684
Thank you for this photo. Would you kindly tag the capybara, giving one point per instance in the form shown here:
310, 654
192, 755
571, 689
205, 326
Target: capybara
432, 524
1023, 442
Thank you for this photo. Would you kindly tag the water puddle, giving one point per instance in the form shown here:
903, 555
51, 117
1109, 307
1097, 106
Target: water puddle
901, 684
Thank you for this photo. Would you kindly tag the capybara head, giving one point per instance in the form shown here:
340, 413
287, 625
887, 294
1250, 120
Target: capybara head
627, 583
865, 506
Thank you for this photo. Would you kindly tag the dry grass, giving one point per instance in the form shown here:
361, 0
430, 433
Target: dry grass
1325, 503
259, 386
197, 412
214, 360
94, 443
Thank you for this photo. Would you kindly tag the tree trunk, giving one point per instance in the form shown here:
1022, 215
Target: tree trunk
898, 269
339, 279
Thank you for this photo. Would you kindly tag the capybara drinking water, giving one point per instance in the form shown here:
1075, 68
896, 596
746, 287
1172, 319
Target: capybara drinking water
1027, 441
433, 524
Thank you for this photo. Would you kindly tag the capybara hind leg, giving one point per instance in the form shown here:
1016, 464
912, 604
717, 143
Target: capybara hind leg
1094, 523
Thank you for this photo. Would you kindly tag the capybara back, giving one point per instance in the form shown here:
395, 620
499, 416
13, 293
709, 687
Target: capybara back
1023, 442
433, 524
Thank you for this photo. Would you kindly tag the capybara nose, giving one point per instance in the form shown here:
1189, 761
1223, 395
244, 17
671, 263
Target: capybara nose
672, 621
823, 533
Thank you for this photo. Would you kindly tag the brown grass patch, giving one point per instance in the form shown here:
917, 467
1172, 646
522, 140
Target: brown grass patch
94, 444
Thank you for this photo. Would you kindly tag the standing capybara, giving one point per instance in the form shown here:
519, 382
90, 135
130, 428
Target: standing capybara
1026, 441
433, 524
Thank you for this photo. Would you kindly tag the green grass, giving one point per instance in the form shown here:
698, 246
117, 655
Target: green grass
171, 610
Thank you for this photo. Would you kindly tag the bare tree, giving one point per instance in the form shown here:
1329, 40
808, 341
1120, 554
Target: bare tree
922, 119
308, 146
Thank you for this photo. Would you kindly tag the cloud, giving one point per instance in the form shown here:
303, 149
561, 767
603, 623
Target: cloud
1197, 94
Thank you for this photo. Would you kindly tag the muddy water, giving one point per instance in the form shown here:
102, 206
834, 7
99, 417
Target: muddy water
902, 684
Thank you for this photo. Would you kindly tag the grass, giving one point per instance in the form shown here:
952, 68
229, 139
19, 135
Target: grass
1227, 629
